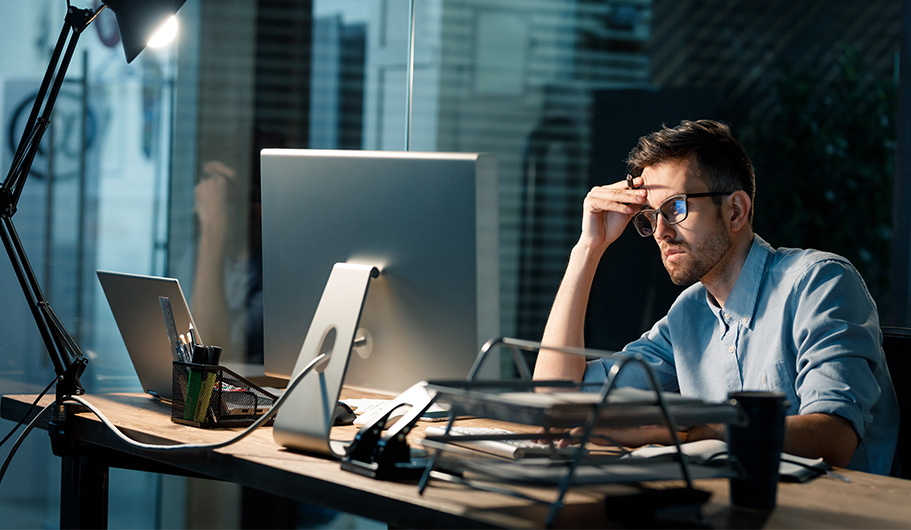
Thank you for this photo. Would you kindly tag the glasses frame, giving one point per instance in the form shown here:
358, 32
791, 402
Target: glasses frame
652, 213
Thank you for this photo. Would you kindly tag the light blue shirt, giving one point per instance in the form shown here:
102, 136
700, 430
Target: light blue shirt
799, 322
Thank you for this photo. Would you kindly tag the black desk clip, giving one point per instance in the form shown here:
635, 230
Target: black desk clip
387, 458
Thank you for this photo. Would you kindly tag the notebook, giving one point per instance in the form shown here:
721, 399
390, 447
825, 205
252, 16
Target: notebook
134, 302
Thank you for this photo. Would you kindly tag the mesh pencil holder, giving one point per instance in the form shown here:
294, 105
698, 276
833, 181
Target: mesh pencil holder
214, 396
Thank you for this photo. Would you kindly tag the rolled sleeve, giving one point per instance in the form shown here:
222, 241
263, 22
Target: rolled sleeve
837, 341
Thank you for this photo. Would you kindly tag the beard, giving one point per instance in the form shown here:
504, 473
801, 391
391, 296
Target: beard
700, 259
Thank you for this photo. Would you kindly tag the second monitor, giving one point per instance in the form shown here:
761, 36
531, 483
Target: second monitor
428, 221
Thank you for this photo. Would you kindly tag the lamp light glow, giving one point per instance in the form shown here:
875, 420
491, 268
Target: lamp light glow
139, 20
165, 34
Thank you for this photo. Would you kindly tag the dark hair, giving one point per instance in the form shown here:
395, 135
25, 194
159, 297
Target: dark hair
715, 156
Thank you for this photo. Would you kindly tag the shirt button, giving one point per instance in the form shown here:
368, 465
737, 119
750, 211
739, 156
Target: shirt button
745, 320
731, 349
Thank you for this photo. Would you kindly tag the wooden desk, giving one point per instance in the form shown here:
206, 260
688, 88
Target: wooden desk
868, 501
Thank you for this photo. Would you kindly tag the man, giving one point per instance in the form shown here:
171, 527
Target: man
799, 322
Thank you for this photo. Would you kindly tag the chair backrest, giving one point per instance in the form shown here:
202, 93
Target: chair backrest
897, 347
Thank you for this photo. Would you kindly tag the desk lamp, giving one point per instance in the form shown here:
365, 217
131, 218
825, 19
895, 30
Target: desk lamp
137, 21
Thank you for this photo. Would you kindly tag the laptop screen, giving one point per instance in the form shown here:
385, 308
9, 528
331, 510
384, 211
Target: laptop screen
134, 302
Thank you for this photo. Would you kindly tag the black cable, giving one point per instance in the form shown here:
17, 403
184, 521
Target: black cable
29, 411
31, 425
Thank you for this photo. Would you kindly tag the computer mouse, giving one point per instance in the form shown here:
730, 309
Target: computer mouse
343, 414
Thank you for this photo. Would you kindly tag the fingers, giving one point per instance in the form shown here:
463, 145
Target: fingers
616, 197
219, 180
563, 443
559, 443
216, 168
543, 440
573, 439
211, 189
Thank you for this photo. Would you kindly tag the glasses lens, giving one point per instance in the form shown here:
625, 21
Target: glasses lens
674, 209
643, 224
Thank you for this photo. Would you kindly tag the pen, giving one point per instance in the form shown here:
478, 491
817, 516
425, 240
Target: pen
214, 355
184, 349
200, 354
193, 388
205, 396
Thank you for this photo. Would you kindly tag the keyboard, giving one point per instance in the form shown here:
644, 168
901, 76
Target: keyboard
514, 449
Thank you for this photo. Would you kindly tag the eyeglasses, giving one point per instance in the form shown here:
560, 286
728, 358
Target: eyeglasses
674, 210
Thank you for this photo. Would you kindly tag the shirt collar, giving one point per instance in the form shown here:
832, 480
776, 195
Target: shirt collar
741, 303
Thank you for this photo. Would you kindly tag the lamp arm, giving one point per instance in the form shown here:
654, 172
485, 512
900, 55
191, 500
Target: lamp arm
68, 359
75, 22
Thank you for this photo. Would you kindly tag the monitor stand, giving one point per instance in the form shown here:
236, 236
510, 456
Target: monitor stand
305, 421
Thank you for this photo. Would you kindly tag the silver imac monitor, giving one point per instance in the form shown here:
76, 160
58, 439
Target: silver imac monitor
427, 221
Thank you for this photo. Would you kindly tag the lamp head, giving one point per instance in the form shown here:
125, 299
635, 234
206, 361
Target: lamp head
138, 20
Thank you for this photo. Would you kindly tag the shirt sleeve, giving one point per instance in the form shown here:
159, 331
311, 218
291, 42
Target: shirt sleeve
653, 348
837, 338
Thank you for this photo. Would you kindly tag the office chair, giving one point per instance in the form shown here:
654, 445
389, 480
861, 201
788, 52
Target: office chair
897, 347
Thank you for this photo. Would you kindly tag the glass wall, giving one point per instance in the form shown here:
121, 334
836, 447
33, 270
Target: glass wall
152, 167
96, 198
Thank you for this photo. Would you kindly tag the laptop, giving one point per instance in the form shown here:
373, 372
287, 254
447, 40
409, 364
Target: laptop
134, 302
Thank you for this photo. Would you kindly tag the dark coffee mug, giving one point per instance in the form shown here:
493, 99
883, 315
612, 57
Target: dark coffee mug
757, 447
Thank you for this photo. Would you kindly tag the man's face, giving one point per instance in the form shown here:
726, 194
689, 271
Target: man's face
697, 247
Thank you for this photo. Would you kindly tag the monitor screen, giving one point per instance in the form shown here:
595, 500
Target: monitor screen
427, 221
